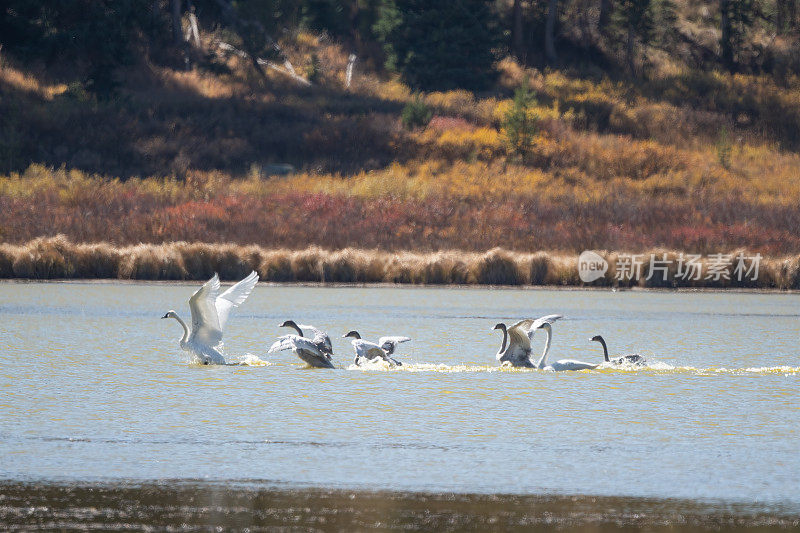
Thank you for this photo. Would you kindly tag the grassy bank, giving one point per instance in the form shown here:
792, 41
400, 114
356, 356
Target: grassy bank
59, 258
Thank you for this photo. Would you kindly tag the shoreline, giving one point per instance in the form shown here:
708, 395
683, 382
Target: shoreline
250, 503
407, 286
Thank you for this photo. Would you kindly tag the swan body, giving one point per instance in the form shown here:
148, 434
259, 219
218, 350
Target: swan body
562, 364
316, 351
210, 311
368, 352
629, 359
303, 348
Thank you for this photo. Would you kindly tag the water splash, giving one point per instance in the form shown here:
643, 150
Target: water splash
250, 359
652, 368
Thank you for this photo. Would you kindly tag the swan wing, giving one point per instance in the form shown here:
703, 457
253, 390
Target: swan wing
519, 338
319, 337
205, 321
526, 328
234, 297
295, 342
367, 349
305, 349
547, 319
387, 343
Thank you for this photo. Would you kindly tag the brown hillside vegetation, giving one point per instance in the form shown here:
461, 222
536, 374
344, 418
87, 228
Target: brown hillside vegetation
683, 159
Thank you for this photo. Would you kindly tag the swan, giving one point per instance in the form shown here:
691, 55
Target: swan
210, 311
367, 351
320, 338
316, 352
516, 348
629, 359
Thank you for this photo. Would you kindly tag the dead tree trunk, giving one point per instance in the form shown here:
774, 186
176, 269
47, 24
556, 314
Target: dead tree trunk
233, 19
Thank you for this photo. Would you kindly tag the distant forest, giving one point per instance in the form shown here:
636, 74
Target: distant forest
434, 45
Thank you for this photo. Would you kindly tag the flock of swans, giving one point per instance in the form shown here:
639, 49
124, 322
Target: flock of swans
210, 311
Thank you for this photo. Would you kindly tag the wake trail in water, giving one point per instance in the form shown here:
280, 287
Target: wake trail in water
247, 359
655, 368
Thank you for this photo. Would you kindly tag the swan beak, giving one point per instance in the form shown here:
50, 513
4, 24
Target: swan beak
165, 316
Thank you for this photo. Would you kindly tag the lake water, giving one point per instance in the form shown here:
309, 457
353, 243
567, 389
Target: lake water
94, 389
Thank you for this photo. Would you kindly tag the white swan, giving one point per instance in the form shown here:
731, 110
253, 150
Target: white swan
629, 359
316, 352
210, 311
516, 348
561, 364
367, 351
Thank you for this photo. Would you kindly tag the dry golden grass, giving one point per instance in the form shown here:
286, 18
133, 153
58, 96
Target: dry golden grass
58, 258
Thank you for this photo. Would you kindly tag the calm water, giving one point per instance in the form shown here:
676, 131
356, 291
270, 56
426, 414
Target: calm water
93, 388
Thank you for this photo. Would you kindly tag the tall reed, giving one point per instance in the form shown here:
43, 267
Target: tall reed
59, 258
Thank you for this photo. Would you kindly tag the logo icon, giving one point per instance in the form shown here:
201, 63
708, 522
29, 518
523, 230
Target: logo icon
591, 266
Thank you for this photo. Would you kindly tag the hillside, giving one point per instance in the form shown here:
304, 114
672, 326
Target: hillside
681, 158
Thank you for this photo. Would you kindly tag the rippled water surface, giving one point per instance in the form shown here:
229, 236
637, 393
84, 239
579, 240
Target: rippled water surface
93, 387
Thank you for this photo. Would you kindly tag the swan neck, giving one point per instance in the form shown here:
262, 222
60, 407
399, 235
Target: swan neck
505, 340
543, 360
605, 349
185, 330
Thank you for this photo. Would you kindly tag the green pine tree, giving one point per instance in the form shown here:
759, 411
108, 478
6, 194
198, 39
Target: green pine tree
440, 45
634, 18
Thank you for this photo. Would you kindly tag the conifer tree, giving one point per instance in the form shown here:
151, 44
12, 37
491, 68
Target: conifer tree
440, 45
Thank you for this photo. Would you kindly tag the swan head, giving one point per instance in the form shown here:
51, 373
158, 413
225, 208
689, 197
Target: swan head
499, 326
597, 338
352, 333
170, 314
288, 324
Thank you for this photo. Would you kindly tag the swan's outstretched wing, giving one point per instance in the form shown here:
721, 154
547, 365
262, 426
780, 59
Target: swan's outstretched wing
518, 335
389, 344
529, 326
367, 349
295, 342
395, 340
547, 319
205, 321
319, 337
233, 297
305, 349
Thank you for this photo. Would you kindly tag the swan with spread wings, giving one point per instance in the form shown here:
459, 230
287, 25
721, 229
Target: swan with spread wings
210, 312
316, 351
